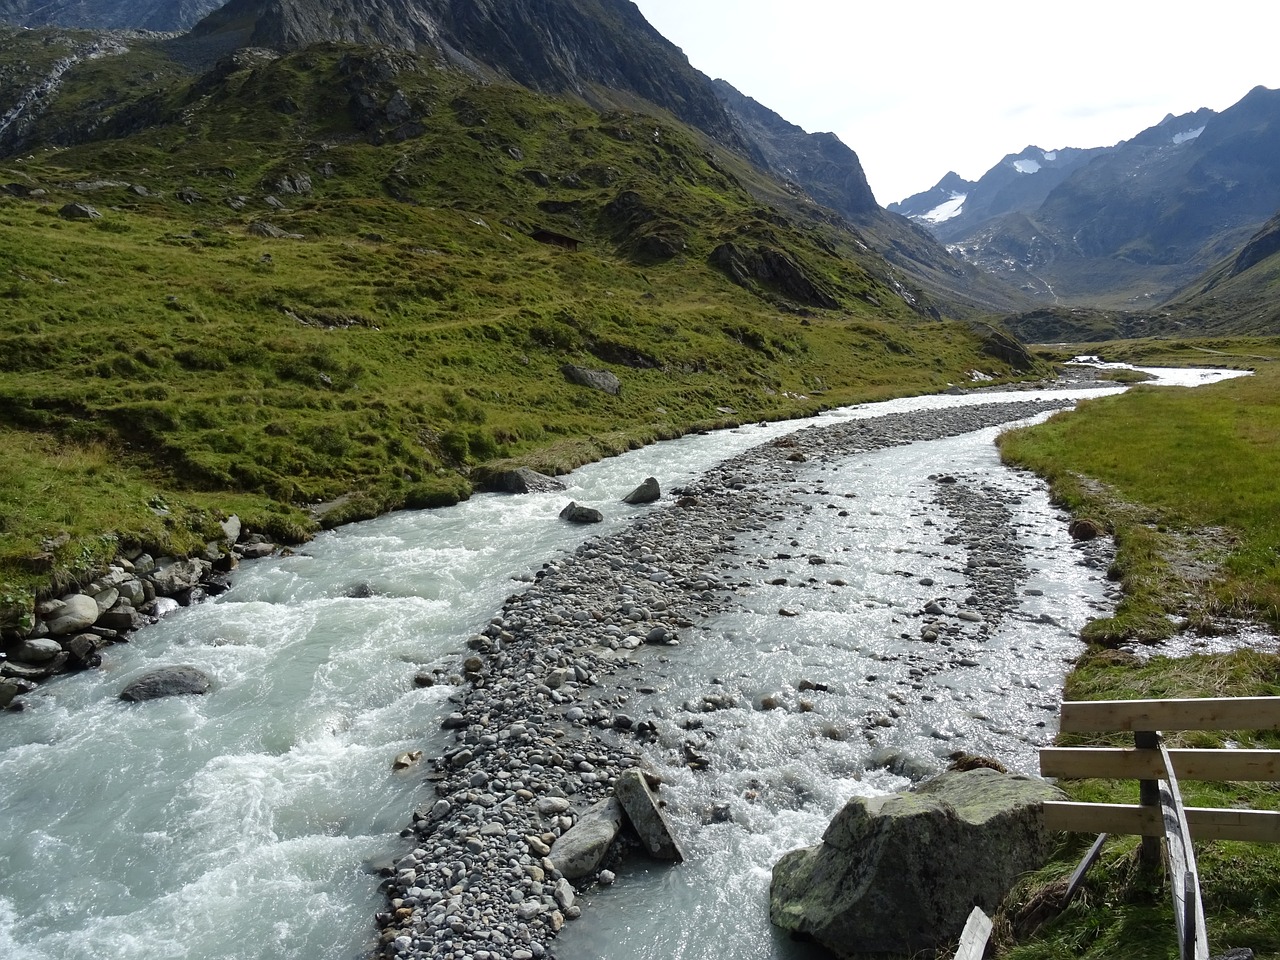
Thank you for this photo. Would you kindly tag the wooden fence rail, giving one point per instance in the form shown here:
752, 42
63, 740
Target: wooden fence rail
1161, 812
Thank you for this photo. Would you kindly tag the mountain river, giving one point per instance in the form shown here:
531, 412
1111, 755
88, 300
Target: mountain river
240, 824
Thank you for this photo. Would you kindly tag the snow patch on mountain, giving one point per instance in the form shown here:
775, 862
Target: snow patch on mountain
1026, 166
945, 210
1050, 156
1187, 135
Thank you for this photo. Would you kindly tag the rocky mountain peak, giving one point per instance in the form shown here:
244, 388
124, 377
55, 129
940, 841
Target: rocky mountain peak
601, 51
829, 171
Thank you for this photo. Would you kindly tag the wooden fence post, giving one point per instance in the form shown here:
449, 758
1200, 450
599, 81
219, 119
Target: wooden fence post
1148, 796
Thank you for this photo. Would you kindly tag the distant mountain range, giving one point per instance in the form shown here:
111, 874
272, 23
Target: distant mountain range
1124, 226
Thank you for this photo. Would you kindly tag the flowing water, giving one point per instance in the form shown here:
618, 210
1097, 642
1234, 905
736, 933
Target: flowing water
238, 824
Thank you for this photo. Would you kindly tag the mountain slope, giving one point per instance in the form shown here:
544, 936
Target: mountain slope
829, 171
597, 50
1019, 183
320, 277
943, 201
1133, 223
1244, 288
107, 14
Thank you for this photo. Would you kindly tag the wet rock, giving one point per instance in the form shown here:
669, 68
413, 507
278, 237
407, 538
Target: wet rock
172, 575
76, 613
406, 760
10, 689
647, 492
122, 618
897, 874
38, 651
646, 816
84, 648
524, 480
167, 682
579, 514
581, 850
1082, 528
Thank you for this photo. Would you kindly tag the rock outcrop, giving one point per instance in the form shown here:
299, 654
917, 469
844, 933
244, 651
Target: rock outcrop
601, 380
900, 874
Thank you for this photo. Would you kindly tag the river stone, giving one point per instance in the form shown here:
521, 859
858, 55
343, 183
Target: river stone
166, 682
133, 592
578, 514
122, 618
78, 612
647, 492
83, 647
581, 849
38, 650
106, 599
900, 874
646, 816
173, 576
525, 480
595, 379
1083, 528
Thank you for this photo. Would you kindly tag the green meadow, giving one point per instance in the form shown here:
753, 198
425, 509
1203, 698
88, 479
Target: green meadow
1185, 481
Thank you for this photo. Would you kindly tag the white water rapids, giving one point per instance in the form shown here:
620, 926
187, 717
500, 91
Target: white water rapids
237, 824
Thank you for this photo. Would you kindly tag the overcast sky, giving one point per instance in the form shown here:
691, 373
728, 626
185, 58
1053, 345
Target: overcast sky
920, 87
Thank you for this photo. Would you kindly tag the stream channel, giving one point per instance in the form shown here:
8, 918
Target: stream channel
239, 824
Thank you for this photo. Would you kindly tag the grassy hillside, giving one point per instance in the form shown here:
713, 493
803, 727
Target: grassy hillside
1204, 541
314, 278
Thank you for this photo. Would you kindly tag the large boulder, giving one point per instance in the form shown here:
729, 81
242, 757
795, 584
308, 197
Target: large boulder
173, 575
646, 816
581, 849
900, 874
647, 492
524, 480
77, 612
166, 682
595, 379
575, 513
38, 650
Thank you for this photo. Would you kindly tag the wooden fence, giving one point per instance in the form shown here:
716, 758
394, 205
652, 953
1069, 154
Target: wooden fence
1161, 812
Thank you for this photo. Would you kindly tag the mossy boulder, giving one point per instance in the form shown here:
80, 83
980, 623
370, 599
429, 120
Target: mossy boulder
899, 874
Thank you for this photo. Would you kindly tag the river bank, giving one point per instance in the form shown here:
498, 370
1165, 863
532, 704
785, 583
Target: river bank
60, 630
547, 722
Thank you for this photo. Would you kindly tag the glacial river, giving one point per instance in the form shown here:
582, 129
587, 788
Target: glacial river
240, 824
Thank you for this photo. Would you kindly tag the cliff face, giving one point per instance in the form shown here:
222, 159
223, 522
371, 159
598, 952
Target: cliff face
602, 51
820, 163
